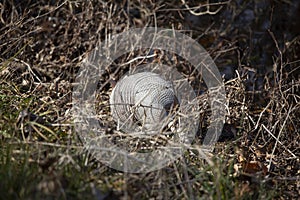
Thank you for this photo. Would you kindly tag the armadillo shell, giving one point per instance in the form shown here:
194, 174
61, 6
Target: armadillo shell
142, 98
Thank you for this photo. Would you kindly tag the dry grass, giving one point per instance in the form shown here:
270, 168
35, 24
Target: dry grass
41, 47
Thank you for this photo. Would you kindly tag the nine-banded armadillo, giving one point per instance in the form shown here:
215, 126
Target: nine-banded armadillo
143, 98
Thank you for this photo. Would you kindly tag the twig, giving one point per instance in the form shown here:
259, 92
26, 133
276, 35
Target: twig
277, 140
29, 68
137, 58
207, 12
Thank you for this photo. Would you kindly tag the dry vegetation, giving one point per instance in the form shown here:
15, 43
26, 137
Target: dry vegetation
255, 44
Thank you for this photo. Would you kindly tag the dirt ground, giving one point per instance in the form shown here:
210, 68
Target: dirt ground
255, 45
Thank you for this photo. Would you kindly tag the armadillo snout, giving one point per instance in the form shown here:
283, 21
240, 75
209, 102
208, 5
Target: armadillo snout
143, 98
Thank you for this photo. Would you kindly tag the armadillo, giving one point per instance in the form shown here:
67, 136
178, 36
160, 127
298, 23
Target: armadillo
143, 98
